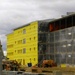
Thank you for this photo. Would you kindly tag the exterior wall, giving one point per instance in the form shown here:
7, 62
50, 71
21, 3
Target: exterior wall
61, 47
26, 44
61, 44
58, 42
42, 41
10, 46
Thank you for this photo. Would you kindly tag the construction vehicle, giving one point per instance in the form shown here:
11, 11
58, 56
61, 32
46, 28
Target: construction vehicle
46, 63
49, 63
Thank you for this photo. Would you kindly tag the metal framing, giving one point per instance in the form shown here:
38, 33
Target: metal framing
62, 41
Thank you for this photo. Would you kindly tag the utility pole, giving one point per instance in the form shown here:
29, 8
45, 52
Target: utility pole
1, 57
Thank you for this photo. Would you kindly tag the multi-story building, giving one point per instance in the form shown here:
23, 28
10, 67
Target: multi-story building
40, 40
61, 44
22, 44
57, 41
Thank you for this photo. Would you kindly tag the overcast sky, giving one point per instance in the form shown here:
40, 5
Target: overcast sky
15, 13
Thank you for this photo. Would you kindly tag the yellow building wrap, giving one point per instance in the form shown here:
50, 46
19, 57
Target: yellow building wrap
25, 44
10, 46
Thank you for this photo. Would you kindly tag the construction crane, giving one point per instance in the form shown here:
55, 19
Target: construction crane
1, 57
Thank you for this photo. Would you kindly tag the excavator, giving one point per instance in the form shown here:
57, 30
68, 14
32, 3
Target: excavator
46, 64
49, 63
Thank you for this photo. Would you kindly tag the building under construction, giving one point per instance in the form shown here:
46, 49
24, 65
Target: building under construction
41, 40
60, 44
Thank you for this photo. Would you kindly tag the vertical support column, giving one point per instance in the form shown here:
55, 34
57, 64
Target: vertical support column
72, 41
54, 44
60, 38
65, 35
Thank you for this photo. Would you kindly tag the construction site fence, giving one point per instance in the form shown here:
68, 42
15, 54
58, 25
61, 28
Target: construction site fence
30, 73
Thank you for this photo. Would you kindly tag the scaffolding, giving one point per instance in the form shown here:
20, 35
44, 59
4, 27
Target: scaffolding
57, 40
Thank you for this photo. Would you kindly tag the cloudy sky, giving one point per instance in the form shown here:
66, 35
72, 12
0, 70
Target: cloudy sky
15, 13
